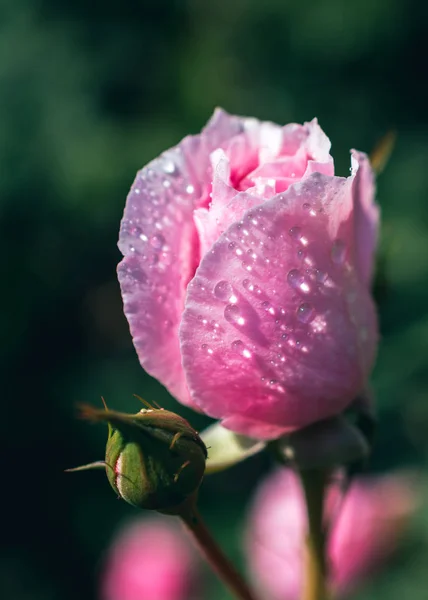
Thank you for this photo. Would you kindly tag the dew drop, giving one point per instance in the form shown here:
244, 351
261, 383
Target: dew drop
157, 241
190, 189
338, 252
237, 346
305, 312
246, 283
295, 232
207, 349
223, 290
297, 281
233, 314
169, 166
306, 206
268, 308
320, 276
231, 246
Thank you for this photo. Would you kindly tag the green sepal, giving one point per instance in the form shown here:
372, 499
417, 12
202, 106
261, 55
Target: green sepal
322, 445
99, 464
226, 448
154, 459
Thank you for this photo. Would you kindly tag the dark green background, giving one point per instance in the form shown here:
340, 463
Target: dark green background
89, 92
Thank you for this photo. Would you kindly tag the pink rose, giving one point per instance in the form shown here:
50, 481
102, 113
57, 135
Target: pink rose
246, 274
150, 559
365, 531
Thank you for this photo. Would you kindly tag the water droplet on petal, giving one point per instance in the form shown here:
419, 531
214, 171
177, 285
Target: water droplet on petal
239, 347
223, 290
295, 232
157, 241
305, 312
190, 189
306, 206
169, 166
338, 252
297, 281
320, 276
232, 313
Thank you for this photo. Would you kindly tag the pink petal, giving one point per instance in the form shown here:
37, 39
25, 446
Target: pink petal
251, 161
149, 559
275, 537
365, 526
222, 127
160, 245
226, 205
366, 215
159, 242
278, 332
368, 528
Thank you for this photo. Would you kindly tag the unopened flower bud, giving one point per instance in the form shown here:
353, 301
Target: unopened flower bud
154, 459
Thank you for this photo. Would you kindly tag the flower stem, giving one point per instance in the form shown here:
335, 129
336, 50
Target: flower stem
314, 585
215, 556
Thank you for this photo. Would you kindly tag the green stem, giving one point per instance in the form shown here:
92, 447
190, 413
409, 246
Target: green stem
314, 585
215, 556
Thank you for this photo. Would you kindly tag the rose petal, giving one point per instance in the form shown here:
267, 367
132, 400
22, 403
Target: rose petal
365, 526
368, 527
159, 242
366, 215
160, 245
275, 537
278, 332
149, 559
222, 126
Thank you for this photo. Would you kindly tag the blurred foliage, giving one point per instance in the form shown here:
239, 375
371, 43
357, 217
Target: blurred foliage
89, 92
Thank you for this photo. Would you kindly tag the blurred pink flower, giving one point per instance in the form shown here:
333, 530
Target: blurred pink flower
246, 274
366, 528
150, 559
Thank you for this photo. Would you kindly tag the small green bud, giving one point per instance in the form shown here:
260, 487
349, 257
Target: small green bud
154, 459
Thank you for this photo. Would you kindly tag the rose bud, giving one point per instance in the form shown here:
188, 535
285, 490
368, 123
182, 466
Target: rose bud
247, 271
154, 459
364, 523
150, 559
